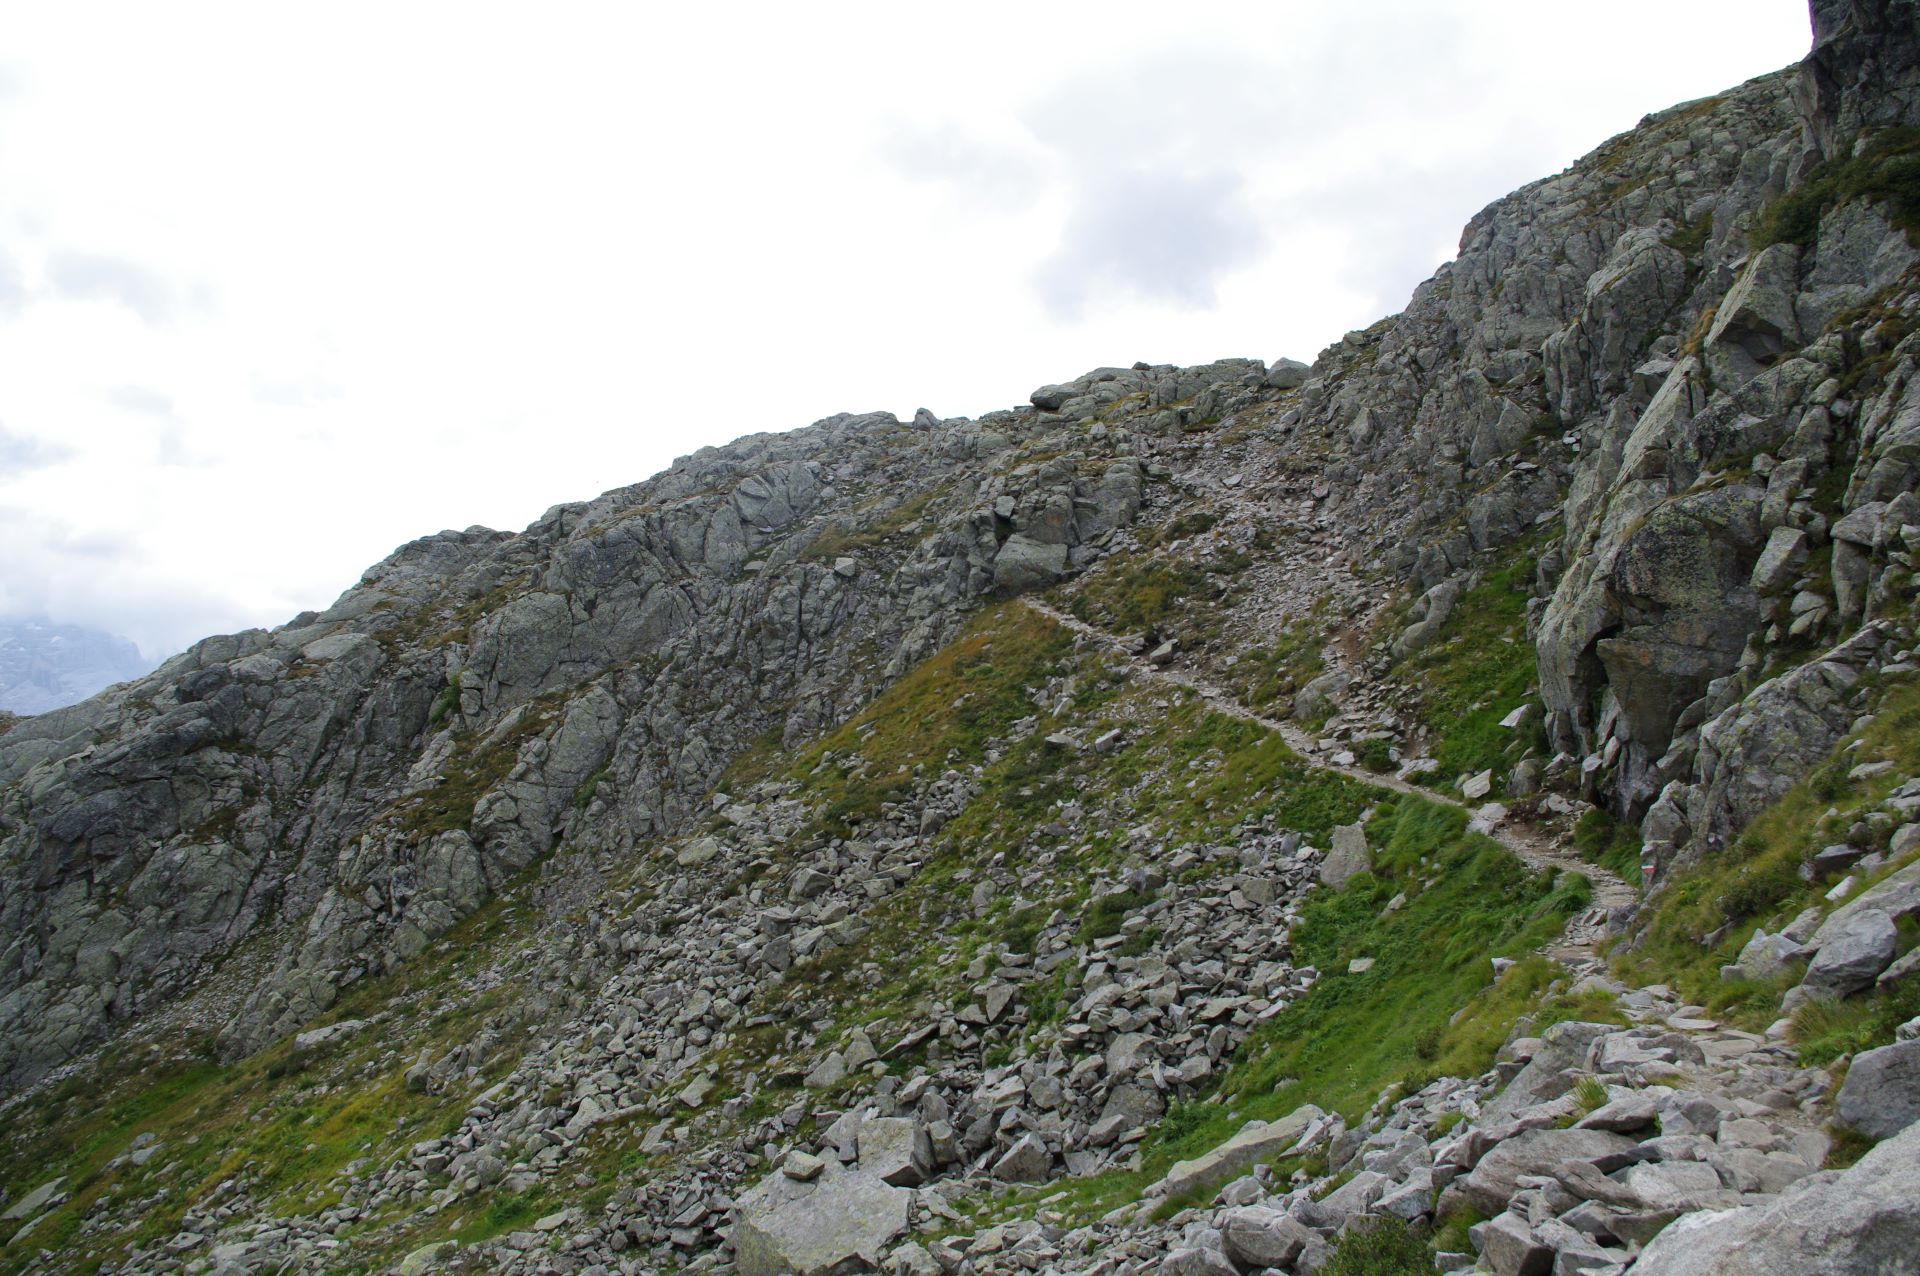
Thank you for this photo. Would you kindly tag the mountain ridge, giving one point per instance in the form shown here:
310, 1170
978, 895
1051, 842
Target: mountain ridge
917, 809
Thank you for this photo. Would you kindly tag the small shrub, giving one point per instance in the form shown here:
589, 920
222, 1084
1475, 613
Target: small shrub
1600, 839
1022, 928
1106, 914
1887, 170
444, 704
1758, 890
1387, 1248
1375, 755
1849, 1145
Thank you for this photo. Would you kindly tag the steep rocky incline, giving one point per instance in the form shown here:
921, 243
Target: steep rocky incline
1454, 803
358, 779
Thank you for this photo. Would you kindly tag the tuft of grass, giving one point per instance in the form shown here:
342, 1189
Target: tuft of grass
1379, 1247
1886, 170
1600, 839
1477, 671
1450, 1237
1107, 913
1590, 1095
1849, 1145
1756, 879
1824, 1031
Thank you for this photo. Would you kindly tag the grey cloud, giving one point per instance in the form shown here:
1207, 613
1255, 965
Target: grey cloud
21, 453
981, 172
297, 393
1149, 154
92, 277
1158, 237
104, 580
134, 398
13, 286
170, 434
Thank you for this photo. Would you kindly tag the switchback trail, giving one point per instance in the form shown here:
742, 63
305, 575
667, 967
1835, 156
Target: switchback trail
1576, 947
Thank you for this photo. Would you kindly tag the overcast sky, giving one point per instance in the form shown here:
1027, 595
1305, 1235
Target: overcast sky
283, 287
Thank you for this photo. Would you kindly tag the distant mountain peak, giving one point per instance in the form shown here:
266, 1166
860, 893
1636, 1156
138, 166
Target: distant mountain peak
45, 665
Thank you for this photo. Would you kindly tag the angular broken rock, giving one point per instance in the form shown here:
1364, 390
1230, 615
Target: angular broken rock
1854, 956
1258, 1236
1866, 1219
1497, 1177
32, 1202
1257, 1142
1881, 1096
841, 1221
1027, 1161
895, 1150
1348, 857
1510, 1247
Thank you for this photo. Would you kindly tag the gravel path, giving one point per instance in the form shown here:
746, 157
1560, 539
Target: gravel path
1576, 947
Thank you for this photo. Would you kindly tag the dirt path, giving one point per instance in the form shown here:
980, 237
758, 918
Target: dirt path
1576, 947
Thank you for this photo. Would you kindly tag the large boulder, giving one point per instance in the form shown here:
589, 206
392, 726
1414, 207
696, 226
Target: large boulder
1024, 563
1553, 1070
840, 1222
1496, 1178
1257, 1141
1853, 957
1865, 1220
1755, 323
1259, 1236
1347, 858
1896, 896
1881, 1096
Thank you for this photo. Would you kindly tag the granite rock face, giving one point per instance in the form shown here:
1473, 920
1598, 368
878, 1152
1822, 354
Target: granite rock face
1865, 1219
362, 778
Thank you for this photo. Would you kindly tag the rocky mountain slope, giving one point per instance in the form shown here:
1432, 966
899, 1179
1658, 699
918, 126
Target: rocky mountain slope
1456, 803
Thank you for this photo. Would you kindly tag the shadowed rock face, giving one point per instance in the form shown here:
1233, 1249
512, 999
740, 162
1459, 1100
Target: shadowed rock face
1861, 72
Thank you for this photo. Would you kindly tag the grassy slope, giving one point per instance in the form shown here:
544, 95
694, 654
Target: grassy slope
1704, 917
285, 1122
1184, 773
1480, 669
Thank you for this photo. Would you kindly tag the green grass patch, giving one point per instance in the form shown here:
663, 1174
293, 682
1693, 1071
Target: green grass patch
1480, 668
1268, 675
1600, 839
1823, 1032
1141, 595
1379, 1247
288, 1122
1886, 170
952, 705
1755, 881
